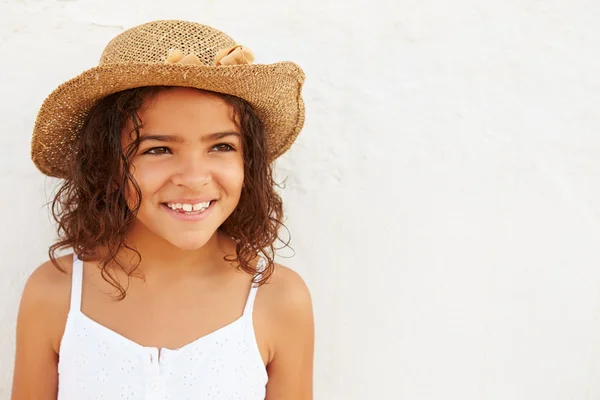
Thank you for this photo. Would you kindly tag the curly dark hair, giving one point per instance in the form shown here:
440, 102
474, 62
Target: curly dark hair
90, 206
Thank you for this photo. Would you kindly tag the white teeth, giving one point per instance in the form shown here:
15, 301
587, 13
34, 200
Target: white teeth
200, 206
189, 207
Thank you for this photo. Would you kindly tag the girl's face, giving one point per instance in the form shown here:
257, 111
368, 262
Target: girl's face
189, 166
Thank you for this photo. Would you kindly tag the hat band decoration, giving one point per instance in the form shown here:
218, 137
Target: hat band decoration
176, 56
236, 55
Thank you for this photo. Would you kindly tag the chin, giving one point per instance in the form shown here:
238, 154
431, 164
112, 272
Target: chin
190, 243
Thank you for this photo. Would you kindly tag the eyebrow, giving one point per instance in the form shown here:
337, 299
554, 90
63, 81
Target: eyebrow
178, 139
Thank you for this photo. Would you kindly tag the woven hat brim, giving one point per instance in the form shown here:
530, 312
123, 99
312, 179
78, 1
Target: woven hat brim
273, 90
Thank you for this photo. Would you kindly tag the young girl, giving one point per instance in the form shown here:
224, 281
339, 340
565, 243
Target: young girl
168, 203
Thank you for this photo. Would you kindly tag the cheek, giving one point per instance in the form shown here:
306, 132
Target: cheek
149, 179
232, 177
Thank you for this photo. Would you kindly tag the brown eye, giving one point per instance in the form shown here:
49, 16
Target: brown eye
158, 150
222, 147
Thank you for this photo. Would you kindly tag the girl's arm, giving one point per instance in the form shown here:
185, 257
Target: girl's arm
292, 337
41, 309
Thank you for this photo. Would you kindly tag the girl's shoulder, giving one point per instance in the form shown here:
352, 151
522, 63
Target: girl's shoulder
284, 289
50, 283
46, 298
283, 310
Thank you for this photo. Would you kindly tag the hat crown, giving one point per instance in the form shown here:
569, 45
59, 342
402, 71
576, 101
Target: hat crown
150, 43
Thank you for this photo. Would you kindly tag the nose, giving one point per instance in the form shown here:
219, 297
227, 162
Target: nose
193, 172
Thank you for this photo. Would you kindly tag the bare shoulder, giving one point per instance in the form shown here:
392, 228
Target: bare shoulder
40, 325
47, 282
283, 311
288, 332
286, 292
46, 296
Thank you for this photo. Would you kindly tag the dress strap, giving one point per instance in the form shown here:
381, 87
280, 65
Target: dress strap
76, 283
262, 263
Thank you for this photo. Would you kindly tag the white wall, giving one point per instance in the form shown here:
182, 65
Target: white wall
444, 196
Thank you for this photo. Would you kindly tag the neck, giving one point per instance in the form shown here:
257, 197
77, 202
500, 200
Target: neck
161, 259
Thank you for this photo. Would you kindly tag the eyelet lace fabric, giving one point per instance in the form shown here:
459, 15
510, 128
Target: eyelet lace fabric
96, 363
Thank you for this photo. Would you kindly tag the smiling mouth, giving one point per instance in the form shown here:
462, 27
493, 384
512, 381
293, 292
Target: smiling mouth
189, 209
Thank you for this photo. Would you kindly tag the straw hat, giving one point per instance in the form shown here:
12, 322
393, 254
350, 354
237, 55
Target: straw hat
170, 53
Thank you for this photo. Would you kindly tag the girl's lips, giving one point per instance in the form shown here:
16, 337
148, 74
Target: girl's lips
189, 217
191, 201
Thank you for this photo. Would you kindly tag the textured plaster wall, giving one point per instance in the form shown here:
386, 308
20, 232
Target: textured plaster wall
443, 199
